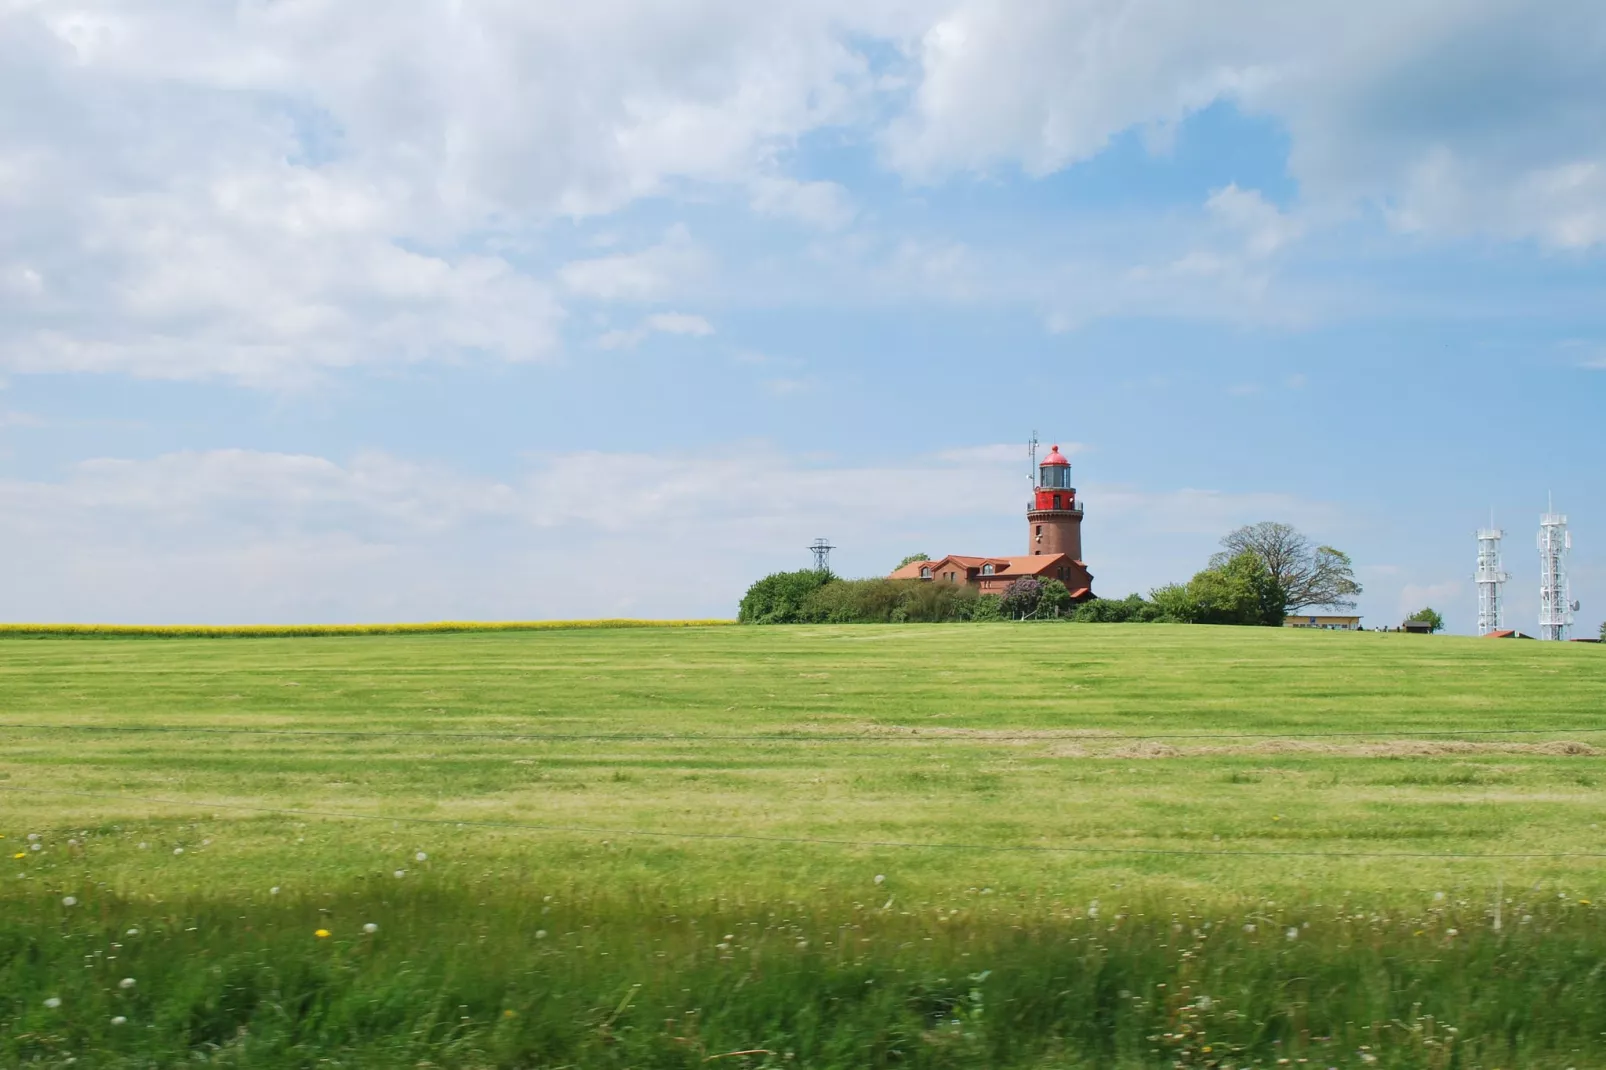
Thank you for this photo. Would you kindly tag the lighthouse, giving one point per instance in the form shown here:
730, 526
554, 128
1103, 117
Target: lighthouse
1054, 516
1053, 548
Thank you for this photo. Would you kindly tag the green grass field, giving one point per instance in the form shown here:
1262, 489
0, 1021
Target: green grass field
957, 845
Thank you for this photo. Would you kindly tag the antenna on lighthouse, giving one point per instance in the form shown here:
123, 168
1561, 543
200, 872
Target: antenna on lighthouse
821, 549
1556, 606
1031, 450
1490, 579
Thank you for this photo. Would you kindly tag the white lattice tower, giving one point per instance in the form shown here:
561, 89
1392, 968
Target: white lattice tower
1490, 578
1555, 599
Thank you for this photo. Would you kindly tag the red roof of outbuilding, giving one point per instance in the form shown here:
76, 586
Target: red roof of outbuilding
1055, 456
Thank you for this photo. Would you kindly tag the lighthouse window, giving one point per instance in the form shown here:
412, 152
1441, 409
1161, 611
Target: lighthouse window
1056, 501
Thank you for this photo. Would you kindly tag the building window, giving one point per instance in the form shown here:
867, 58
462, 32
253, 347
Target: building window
925, 572
1056, 504
987, 570
1040, 529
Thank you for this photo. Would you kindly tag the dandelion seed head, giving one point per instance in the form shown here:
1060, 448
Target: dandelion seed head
53, 1002
1250, 927
143, 846
33, 837
69, 900
420, 857
370, 928
540, 934
119, 1020
400, 873
880, 877
34, 847
274, 890
178, 850
127, 982
1438, 897
1452, 932
1292, 934
133, 932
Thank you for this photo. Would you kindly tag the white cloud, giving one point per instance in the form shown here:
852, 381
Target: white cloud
1415, 596
1391, 103
680, 323
264, 191
658, 271
240, 535
821, 204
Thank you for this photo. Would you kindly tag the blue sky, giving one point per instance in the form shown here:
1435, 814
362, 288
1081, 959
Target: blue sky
325, 312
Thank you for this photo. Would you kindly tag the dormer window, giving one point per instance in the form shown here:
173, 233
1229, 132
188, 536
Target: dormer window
987, 570
925, 572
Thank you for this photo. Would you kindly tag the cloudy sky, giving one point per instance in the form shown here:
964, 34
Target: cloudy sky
324, 310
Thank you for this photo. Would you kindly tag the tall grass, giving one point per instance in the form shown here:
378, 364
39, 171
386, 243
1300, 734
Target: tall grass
464, 975
303, 631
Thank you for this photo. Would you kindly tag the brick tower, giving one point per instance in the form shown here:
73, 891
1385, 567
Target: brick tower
1054, 516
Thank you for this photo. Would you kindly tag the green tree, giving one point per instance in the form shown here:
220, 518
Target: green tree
913, 558
1307, 575
1056, 599
1603, 631
782, 597
1431, 616
1239, 590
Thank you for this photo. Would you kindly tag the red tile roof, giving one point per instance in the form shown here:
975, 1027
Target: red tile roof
1012, 567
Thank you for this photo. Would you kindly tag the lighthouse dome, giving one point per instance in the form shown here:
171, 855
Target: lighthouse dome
1055, 471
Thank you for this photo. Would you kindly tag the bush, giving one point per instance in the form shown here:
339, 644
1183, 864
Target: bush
987, 608
1133, 608
1022, 597
884, 601
782, 597
934, 601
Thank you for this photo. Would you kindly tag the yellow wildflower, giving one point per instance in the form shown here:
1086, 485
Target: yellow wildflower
322, 934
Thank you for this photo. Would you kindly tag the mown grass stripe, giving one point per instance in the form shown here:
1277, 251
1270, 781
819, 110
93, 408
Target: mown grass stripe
747, 837
912, 736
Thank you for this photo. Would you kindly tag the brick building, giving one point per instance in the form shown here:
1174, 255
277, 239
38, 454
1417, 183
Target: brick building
1053, 543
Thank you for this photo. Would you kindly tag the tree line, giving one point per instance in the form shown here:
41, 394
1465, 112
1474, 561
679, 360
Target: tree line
1263, 573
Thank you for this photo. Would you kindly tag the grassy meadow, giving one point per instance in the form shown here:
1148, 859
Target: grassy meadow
928, 846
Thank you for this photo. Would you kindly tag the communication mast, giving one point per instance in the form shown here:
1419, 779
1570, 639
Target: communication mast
821, 549
1490, 579
1031, 449
1556, 606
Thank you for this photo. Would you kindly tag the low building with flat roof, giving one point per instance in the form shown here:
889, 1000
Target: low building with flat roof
1331, 622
